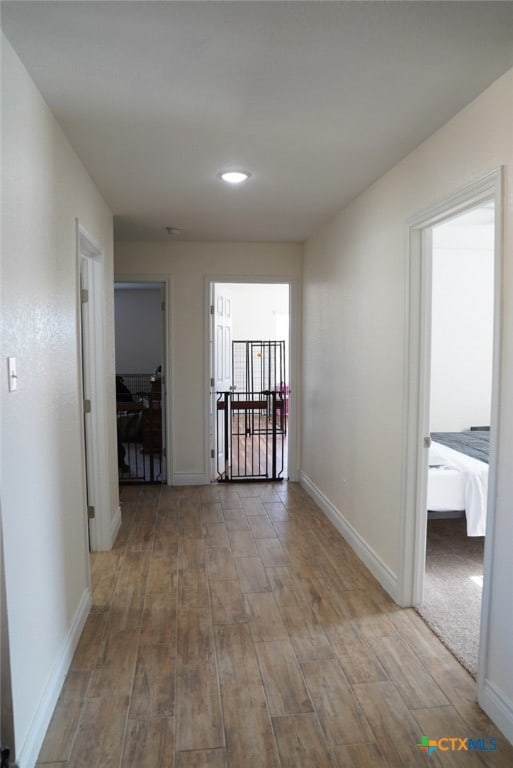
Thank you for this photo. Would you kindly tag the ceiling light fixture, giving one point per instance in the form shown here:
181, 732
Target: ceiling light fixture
173, 231
234, 177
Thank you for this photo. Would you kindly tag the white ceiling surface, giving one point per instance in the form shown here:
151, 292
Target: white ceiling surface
315, 99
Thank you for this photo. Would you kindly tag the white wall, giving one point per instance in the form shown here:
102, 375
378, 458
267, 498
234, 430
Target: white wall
44, 188
188, 265
6, 719
138, 329
353, 373
260, 312
462, 325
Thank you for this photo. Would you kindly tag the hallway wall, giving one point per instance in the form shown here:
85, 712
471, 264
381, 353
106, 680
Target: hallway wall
44, 189
354, 331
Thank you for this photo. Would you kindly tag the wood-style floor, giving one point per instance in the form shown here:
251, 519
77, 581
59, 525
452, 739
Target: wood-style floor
233, 626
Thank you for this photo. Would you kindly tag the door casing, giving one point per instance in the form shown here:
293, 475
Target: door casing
221, 367
294, 395
416, 392
90, 263
167, 356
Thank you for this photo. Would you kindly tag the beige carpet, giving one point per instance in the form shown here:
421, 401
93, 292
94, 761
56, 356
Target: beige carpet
452, 588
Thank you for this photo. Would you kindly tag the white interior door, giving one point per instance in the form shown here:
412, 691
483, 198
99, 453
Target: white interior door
223, 345
87, 391
221, 362
90, 267
165, 459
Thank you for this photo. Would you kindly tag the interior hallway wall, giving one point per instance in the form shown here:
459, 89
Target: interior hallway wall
353, 364
44, 189
188, 265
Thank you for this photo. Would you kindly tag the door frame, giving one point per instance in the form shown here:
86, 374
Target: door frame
166, 282
215, 439
416, 391
93, 378
294, 395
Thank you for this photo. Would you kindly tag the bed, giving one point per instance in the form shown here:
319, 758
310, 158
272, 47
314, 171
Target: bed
458, 476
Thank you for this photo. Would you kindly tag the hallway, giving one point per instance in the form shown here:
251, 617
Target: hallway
233, 626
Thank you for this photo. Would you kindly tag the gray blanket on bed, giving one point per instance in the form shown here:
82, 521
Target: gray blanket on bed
475, 443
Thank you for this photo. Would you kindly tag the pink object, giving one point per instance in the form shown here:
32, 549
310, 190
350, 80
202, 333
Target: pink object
285, 389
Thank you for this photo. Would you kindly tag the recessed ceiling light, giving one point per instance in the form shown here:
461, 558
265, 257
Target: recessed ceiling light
234, 177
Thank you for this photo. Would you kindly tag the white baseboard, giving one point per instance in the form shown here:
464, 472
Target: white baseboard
180, 478
376, 566
115, 525
499, 708
27, 756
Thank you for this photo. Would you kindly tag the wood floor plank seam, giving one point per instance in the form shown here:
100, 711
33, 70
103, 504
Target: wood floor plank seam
76, 729
216, 662
315, 708
237, 557
125, 730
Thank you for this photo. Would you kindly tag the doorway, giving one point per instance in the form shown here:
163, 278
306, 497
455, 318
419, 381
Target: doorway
249, 394
417, 413
461, 354
141, 381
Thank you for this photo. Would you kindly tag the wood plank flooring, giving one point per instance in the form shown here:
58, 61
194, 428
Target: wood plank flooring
233, 627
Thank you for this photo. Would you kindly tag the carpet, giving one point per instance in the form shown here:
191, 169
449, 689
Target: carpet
453, 587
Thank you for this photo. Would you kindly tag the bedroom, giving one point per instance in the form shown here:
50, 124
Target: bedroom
462, 337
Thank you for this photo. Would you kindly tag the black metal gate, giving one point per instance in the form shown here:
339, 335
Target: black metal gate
251, 431
139, 427
258, 365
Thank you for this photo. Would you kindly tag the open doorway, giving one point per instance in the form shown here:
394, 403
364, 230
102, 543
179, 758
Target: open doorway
460, 406
140, 328
250, 381
416, 412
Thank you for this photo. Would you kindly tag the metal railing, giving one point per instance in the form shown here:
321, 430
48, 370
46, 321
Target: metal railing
251, 429
139, 427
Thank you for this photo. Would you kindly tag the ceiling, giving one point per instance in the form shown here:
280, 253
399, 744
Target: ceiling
316, 99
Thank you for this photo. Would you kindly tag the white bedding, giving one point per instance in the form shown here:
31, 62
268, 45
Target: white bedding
458, 483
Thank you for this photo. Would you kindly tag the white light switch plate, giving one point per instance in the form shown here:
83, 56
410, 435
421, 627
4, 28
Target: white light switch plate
11, 373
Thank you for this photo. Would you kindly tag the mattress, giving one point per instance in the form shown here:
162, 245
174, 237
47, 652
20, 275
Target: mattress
445, 491
458, 482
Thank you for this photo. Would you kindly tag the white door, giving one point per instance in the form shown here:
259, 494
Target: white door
221, 368
87, 388
164, 458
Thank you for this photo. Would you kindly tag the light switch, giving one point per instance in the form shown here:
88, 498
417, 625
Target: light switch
11, 372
